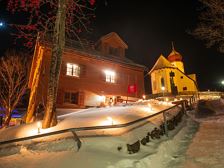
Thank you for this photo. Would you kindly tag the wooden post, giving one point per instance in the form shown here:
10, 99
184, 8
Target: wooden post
190, 101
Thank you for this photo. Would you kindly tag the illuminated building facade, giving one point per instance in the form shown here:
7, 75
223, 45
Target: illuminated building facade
168, 76
91, 75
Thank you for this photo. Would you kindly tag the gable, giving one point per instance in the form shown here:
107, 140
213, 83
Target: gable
162, 62
114, 40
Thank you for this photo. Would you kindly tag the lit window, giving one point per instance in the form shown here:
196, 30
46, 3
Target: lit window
72, 70
110, 76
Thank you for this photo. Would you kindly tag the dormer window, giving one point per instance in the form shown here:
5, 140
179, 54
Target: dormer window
113, 51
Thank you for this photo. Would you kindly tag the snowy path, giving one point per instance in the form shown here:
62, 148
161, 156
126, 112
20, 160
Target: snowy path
207, 147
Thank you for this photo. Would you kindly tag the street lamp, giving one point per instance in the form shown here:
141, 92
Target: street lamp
2, 24
222, 82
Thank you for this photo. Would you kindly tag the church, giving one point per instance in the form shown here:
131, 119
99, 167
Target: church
168, 76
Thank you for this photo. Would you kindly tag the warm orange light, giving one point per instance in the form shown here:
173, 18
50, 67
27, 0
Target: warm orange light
143, 96
101, 98
110, 120
38, 126
150, 107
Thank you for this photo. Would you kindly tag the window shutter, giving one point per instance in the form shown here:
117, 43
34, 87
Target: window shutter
118, 78
102, 76
82, 70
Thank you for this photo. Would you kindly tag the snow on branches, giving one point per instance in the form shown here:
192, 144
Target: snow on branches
211, 24
41, 16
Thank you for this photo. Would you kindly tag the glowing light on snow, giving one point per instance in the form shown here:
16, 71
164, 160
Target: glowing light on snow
150, 107
143, 96
110, 120
146, 109
140, 100
175, 99
167, 99
38, 126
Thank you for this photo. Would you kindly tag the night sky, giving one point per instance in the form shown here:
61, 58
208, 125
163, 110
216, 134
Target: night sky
149, 27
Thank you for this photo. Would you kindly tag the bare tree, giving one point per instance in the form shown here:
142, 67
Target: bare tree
60, 18
13, 82
211, 24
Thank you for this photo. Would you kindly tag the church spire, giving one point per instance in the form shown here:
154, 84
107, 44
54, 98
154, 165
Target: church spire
174, 55
173, 49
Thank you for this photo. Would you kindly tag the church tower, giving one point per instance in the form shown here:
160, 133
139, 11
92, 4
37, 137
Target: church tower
176, 59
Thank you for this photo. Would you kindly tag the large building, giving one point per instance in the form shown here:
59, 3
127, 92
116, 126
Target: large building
90, 74
168, 76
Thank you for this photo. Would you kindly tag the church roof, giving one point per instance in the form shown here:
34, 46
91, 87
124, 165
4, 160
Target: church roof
162, 62
174, 55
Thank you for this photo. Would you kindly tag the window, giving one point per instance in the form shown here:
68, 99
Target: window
110, 76
113, 51
184, 88
181, 77
72, 70
71, 97
67, 97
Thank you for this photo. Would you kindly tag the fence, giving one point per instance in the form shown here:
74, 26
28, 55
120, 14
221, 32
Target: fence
183, 104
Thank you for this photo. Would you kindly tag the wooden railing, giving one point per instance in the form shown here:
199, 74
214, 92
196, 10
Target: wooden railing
183, 104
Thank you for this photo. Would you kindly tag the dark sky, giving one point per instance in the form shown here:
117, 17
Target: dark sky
149, 27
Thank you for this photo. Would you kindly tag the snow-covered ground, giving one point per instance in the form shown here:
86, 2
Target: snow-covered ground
98, 149
93, 117
182, 149
99, 152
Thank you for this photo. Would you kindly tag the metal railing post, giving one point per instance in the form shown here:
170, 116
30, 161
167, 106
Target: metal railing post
79, 143
165, 123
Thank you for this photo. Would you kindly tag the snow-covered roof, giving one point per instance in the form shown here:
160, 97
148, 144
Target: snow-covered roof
162, 62
113, 35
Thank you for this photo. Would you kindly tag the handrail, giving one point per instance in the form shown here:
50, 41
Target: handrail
88, 128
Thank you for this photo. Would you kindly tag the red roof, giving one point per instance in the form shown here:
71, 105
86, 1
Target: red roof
174, 55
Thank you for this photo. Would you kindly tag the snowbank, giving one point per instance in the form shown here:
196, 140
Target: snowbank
102, 152
99, 148
92, 117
